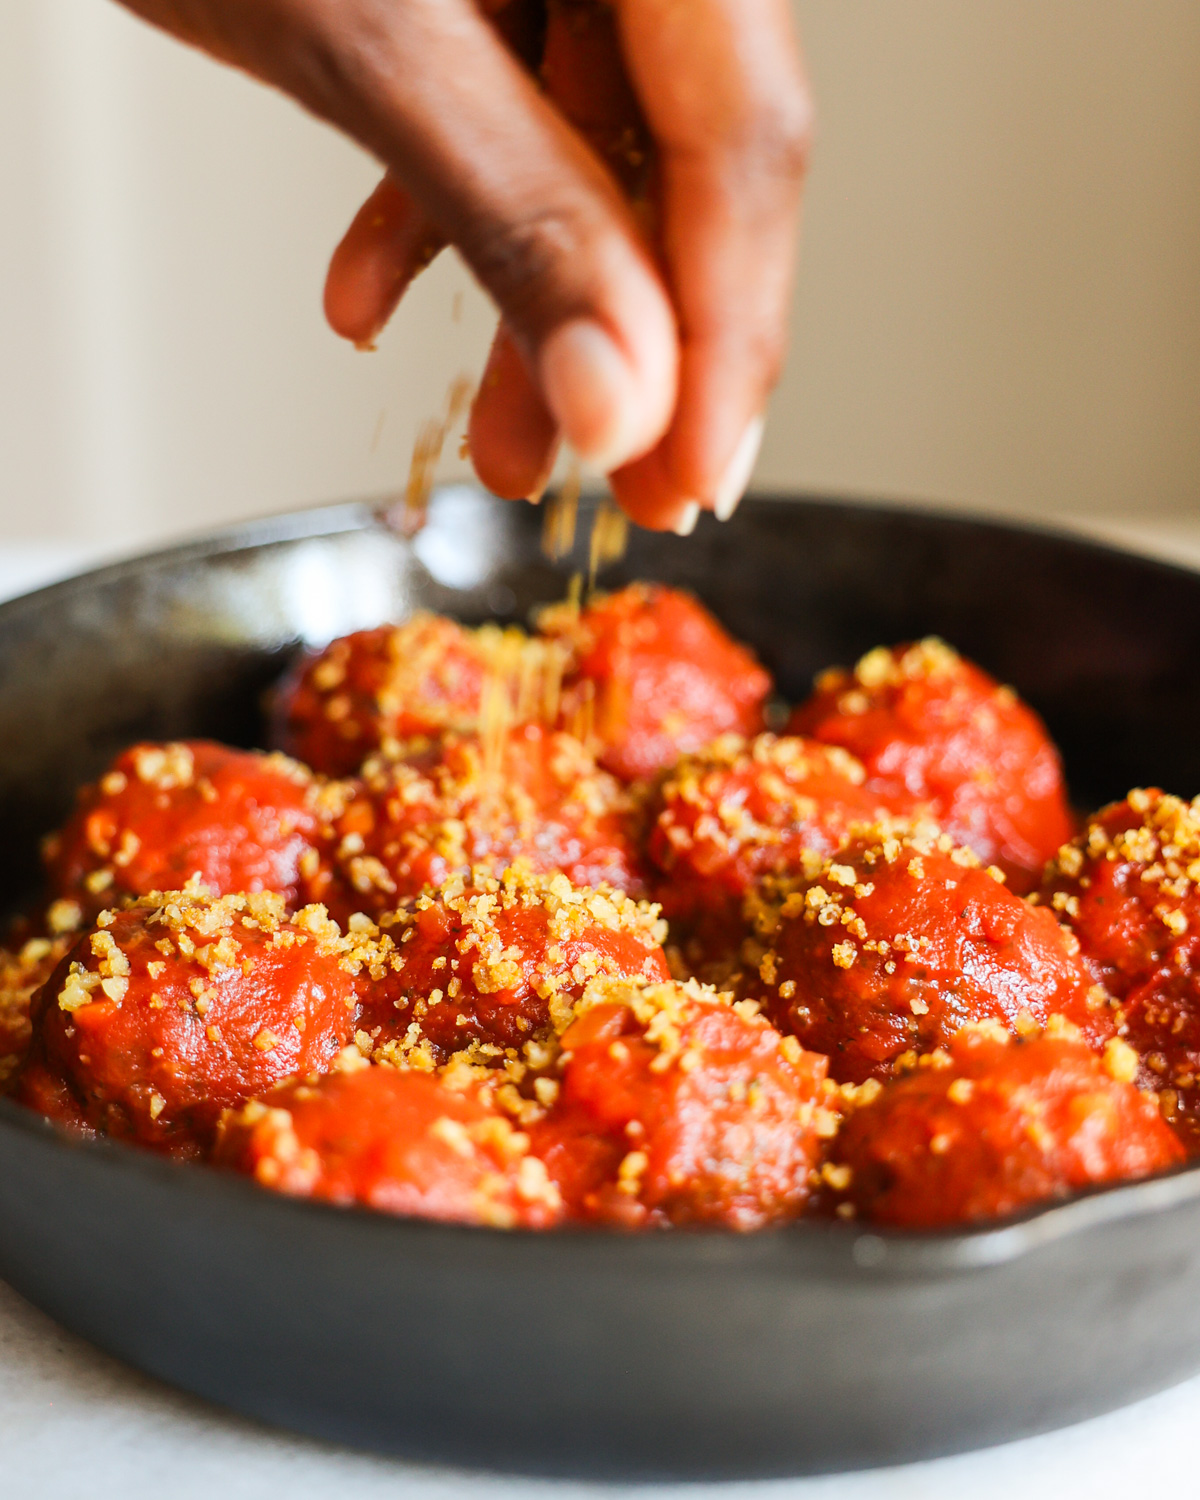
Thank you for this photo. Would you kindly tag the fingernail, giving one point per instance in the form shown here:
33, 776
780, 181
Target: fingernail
737, 474
589, 389
688, 517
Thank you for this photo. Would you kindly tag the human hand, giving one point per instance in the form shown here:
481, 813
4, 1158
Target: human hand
635, 222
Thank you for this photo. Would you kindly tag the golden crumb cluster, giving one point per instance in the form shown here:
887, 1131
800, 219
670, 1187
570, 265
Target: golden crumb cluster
464, 804
521, 933
414, 660
713, 783
884, 667
663, 1010
1166, 841
573, 911
21, 973
209, 931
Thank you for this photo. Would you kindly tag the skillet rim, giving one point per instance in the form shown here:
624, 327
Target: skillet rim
842, 1247
340, 518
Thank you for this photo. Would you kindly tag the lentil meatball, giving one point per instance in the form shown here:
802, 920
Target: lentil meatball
994, 1125
741, 809
1128, 889
379, 687
403, 1142
178, 1006
1127, 886
936, 733
460, 804
896, 942
653, 676
164, 813
678, 1107
22, 973
493, 962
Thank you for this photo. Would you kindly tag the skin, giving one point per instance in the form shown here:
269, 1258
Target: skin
652, 350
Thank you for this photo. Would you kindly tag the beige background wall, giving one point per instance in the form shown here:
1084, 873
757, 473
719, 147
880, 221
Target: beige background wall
999, 302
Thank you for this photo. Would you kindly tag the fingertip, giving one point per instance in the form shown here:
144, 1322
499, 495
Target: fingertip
590, 389
647, 494
512, 436
612, 408
389, 241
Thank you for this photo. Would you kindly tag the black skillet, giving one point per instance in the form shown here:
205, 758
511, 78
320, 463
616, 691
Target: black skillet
685, 1354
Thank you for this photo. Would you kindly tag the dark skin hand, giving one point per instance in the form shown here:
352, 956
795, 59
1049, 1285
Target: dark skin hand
641, 321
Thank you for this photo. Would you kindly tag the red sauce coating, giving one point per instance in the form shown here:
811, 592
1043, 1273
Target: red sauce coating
377, 686
654, 676
935, 731
402, 1142
1129, 889
679, 1108
997, 1125
163, 813
494, 962
741, 809
179, 1006
453, 806
898, 941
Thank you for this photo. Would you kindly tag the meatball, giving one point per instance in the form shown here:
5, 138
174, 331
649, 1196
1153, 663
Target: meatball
21, 974
935, 732
181, 1005
677, 1107
898, 941
165, 813
463, 804
403, 1142
1127, 886
652, 676
1128, 889
741, 809
993, 1125
495, 962
378, 687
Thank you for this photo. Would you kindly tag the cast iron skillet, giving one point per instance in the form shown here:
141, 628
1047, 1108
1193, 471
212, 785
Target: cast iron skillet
808, 1348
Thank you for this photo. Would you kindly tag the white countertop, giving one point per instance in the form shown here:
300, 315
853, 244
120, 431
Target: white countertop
74, 1423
